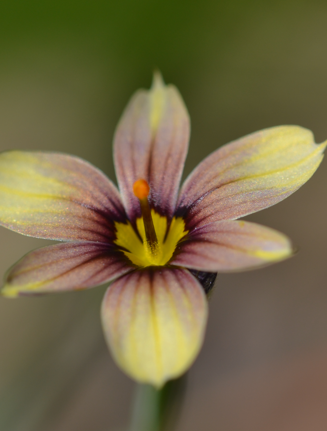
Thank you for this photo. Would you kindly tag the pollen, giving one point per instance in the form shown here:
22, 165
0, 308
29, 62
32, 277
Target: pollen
141, 189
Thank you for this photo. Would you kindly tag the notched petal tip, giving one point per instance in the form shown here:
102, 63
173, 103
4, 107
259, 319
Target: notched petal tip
158, 99
9, 292
157, 80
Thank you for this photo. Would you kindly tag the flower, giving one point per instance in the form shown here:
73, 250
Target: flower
149, 240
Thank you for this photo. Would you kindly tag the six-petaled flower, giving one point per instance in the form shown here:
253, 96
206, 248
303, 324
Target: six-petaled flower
149, 238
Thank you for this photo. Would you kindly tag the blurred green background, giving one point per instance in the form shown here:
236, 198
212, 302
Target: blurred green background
67, 69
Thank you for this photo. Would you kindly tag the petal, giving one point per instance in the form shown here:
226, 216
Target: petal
231, 245
151, 143
56, 196
249, 174
154, 322
69, 266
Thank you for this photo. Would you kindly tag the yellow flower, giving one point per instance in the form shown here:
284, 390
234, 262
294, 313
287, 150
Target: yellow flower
153, 242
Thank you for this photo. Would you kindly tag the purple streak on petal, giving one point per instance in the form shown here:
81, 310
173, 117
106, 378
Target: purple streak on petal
57, 196
154, 322
151, 143
249, 174
69, 266
231, 245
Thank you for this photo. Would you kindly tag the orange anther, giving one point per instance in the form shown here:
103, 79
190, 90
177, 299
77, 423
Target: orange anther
141, 189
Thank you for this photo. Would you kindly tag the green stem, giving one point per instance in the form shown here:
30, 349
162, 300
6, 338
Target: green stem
157, 410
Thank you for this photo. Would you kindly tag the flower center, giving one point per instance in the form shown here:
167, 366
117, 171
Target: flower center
152, 244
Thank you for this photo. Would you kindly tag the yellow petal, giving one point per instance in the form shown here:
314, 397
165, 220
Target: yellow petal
60, 267
232, 245
154, 322
56, 196
250, 174
151, 143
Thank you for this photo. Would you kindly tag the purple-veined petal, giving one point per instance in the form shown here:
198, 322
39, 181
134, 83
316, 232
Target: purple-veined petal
56, 196
231, 245
151, 143
154, 322
68, 266
249, 174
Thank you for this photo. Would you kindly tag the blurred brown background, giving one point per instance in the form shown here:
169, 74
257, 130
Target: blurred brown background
67, 69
